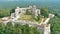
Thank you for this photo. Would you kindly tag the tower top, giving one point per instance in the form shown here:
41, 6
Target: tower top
17, 7
34, 6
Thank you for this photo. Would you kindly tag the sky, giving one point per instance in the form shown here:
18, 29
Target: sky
29, 0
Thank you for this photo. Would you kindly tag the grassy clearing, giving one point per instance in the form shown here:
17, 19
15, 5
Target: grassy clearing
0, 20
28, 18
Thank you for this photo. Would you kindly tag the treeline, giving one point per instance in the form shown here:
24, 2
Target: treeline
55, 11
17, 29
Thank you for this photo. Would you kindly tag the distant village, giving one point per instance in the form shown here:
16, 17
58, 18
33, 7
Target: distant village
43, 27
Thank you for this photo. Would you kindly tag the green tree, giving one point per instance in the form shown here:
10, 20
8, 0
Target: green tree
2, 28
12, 10
27, 12
35, 30
17, 29
44, 12
8, 28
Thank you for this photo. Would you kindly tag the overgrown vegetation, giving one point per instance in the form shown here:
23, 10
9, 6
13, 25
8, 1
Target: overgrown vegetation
17, 29
55, 22
27, 12
6, 12
55, 25
44, 12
